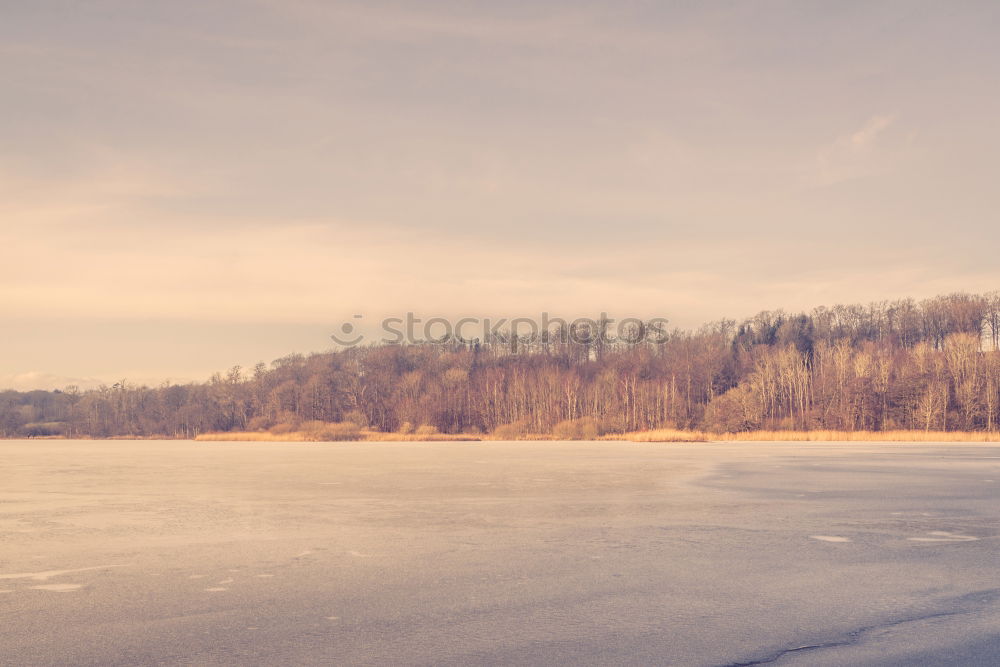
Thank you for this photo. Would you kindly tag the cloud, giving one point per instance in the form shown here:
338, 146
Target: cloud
853, 154
866, 136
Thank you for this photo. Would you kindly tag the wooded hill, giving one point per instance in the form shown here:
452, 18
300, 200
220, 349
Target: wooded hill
930, 365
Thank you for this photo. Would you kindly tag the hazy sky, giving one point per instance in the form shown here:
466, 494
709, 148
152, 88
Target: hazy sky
188, 185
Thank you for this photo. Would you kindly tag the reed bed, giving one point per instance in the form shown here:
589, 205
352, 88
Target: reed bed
662, 435
657, 435
375, 436
253, 436
303, 436
674, 435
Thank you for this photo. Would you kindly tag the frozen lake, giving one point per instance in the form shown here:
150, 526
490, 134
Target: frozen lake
123, 553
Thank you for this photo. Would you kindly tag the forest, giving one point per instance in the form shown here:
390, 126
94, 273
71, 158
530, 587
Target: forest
927, 365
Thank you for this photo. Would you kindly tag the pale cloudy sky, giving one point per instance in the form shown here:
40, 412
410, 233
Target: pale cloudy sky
189, 185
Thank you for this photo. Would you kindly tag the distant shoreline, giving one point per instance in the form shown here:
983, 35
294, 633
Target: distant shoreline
659, 435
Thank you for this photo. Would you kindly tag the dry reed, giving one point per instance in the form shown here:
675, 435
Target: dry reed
657, 435
305, 436
674, 435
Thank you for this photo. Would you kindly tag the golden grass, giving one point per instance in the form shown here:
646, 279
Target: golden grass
303, 436
657, 435
375, 436
253, 436
662, 435
674, 435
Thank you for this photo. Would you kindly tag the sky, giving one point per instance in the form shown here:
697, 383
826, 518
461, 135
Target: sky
186, 186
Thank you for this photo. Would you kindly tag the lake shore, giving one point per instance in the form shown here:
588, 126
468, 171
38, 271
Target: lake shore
660, 435
657, 435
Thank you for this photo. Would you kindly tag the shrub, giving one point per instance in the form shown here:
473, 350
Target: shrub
585, 428
427, 429
513, 431
313, 428
406, 428
340, 431
589, 428
730, 412
281, 428
566, 430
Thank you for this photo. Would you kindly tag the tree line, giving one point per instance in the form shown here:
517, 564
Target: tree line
928, 365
